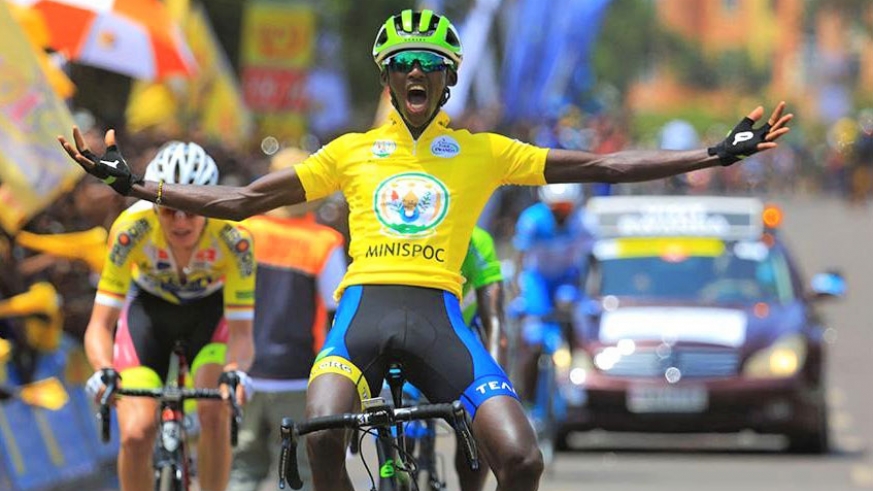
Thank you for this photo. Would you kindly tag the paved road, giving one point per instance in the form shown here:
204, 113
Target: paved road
824, 234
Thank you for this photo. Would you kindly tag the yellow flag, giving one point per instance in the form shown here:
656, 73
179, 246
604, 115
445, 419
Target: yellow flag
34, 169
5, 350
88, 245
47, 393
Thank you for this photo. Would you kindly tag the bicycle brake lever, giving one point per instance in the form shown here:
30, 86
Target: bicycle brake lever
464, 435
288, 471
105, 413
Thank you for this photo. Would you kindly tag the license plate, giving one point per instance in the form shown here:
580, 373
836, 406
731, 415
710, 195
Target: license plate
667, 399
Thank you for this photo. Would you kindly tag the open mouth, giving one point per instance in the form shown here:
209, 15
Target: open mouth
416, 98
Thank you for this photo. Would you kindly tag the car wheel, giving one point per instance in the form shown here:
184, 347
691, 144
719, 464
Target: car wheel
811, 440
562, 443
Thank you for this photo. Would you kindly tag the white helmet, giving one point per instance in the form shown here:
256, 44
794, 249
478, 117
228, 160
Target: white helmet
561, 193
182, 163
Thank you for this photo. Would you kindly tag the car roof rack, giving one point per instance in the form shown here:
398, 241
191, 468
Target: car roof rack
727, 218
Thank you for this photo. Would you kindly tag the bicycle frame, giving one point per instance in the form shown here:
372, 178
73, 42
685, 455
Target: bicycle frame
171, 461
418, 438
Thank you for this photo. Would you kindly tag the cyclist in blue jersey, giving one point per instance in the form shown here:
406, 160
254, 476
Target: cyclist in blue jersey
552, 240
415, 187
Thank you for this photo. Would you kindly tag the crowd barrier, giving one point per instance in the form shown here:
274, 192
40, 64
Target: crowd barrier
48, 450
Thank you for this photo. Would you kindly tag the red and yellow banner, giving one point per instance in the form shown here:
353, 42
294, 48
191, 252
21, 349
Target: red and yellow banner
34, 170
277, 51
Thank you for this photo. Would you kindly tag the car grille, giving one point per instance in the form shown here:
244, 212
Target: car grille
696, 363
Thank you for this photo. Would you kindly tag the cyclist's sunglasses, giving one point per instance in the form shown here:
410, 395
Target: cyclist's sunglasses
170, 213
427, 61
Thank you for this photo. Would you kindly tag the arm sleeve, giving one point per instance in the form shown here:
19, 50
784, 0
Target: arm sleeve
519, 163
318, 173
331, 275
481, 265
116, 275
239, 276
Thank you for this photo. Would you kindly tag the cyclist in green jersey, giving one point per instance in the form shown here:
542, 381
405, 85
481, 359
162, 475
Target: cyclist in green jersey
482, 293
415, 187
482, 306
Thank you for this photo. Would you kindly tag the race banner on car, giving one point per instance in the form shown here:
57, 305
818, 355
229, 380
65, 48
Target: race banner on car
34, 170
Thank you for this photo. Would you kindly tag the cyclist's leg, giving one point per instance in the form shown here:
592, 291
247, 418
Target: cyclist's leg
337, 384
251, 457
206, 350
141, 360
137, 428
465, 371
329, 394
213, 446
508, 443
535, 290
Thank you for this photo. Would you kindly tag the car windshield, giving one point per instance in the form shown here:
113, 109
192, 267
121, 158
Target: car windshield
695, 270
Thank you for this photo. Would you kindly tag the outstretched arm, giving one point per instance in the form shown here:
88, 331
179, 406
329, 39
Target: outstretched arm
228, 202
271, 191
646, 165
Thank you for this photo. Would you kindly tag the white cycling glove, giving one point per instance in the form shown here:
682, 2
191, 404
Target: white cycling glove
97, 382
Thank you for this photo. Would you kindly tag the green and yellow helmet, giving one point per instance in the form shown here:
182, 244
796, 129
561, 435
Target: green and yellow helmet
423, 30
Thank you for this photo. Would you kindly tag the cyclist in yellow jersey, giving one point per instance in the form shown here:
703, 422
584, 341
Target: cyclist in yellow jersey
415, 188
172, 275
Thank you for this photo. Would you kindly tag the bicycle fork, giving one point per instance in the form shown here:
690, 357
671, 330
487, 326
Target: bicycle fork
170, 452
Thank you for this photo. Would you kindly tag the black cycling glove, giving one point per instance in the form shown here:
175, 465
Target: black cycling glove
112, 169
741, 142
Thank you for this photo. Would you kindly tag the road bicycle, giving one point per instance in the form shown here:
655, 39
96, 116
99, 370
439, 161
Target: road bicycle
549, 408
386, 423
172, 463
418, 440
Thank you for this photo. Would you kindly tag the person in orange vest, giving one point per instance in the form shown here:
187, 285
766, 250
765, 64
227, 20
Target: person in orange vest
300, 264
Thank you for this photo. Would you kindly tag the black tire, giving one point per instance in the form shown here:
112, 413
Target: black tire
812, 441
562, 443
547, 428
167, 480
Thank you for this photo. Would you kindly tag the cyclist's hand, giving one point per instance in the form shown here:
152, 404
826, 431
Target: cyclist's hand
96, 384
111, 168
744, 140
242, 382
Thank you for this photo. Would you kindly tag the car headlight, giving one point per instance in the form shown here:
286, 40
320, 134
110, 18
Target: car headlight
781, 359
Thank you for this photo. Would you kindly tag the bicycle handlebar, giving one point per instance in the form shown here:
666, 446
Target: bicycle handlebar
172, 394
453, 413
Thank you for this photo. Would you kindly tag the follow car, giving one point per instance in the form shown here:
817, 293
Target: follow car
696, 319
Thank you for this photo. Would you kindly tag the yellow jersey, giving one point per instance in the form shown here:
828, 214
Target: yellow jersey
138, 252
413, 203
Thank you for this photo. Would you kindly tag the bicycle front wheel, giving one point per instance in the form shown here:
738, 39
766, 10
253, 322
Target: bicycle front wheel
167, 480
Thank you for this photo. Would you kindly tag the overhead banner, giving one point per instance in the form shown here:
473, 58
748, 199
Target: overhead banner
34, 169
277, 48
